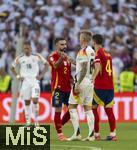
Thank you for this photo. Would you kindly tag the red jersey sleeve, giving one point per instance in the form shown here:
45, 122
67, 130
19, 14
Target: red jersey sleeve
52, 60
98, 57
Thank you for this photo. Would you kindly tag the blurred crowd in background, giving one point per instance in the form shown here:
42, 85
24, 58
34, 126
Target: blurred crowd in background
44, 20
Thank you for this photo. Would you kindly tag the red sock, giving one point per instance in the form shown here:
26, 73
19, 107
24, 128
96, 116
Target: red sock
111, 119
65, 118
57, 122
96, 122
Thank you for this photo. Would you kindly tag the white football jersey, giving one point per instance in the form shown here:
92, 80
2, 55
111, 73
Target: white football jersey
29, 65
85, 55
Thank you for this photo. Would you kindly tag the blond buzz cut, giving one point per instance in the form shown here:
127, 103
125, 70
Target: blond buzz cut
87, 35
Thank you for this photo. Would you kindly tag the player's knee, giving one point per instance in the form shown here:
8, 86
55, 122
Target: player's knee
87, 108
57, 109
72, 106
94, 106
27, 102
35, 100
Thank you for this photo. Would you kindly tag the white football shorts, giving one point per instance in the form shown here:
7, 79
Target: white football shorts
29, 89
85, 97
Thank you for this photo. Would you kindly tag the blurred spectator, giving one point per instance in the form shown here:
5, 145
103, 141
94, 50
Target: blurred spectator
127, 80
5, 81
44, 20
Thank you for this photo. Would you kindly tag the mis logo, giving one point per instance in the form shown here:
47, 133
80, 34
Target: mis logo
18, 137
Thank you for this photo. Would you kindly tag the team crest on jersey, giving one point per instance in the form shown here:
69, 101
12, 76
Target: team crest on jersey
65, 63
51, 58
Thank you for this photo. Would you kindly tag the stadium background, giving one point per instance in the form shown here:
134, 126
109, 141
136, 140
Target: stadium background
44, 20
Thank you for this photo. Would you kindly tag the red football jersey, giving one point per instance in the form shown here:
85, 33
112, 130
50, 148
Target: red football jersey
61, 76
104, 79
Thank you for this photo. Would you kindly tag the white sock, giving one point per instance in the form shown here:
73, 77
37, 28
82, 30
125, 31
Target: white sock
112, 133
75, 120
36, 110
27, 114
90, 121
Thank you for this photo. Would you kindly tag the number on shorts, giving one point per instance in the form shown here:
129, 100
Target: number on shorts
57, 95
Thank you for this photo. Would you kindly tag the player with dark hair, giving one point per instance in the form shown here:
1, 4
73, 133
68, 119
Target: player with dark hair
103, 87
60, 83
29, 75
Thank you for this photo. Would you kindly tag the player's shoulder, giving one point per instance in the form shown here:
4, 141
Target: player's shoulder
37, 55
89, 50
52, 54
19, 56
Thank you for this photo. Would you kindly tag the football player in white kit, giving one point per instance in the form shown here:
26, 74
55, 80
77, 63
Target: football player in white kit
82, 92
29, 77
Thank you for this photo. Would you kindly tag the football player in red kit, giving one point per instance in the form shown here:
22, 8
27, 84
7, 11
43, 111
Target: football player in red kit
103, 87
61, 79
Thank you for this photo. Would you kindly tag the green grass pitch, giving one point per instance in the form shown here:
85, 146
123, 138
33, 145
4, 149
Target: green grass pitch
126, 134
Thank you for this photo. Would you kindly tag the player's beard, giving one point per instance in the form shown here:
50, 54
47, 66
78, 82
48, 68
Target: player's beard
63, 50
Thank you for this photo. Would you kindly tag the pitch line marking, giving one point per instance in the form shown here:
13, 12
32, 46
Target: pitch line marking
85, 147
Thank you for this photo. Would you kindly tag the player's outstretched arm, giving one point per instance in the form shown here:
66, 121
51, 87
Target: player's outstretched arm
13, 69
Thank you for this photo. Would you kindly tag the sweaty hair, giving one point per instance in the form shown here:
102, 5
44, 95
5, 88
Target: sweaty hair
87, 35
27, 42
59, 39
98, 39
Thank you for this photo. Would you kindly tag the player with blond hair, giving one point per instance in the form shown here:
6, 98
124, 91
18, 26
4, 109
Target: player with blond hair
82, 92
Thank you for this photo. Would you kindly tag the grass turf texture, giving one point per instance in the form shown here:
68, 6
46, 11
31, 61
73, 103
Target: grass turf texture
126, 134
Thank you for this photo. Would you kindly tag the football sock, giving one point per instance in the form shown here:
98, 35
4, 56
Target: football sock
36, 110
90, 121
111, 119
27, 114
75, 121
96, 121
57, 122
65, 118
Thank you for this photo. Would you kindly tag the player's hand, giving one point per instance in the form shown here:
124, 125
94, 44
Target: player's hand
92, 80
63, 55
39, 77
19, 77
77, 89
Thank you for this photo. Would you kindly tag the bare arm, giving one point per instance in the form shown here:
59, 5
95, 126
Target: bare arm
15, 73
72, 60
58, 62
83, 72
96, 71
44, 70
13, 70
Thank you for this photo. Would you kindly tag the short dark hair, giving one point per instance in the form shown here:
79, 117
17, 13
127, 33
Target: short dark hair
98, 38
59, 39
27, 42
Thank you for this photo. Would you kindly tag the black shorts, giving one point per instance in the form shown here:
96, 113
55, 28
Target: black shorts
103, 97
60, 97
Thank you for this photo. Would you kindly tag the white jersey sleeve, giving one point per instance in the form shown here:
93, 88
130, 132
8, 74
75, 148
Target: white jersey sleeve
16, 61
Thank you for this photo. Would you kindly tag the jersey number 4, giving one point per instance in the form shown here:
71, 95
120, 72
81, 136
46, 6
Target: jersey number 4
108, 68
